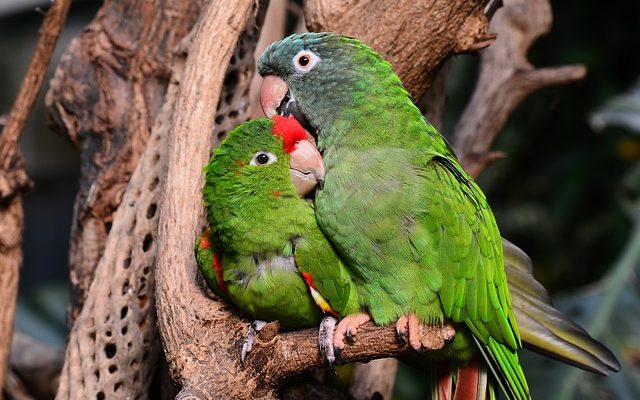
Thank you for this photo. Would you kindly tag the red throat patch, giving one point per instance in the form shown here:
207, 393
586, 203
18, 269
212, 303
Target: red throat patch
289, 130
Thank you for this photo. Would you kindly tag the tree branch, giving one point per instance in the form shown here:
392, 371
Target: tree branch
13, 178
104, 97
446, 27
506, 78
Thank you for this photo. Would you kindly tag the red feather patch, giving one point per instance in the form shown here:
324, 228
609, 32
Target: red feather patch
289, 130
217, 265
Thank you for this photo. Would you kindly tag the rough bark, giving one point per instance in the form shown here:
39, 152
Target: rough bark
106, 92
13, 178
506, 78
414, 36
112, 349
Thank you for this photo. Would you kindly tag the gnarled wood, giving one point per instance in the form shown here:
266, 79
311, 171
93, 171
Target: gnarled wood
13, 178
105, 94
506, 78
414, 36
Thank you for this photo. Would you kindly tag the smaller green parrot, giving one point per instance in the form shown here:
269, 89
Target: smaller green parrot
264, 251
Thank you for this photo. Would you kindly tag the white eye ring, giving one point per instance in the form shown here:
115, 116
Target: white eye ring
305, 60
262, 158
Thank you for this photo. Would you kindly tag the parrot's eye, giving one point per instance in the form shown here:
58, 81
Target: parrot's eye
263, 158
305, 60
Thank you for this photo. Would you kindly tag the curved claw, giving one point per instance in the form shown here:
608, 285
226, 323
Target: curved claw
325, 338
255, 327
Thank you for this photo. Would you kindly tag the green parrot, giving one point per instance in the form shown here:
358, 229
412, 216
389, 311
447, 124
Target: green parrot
413, 228
264, 251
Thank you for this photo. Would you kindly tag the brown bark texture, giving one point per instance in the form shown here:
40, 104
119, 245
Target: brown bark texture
13, 178
506, 78
106, 92
414, 36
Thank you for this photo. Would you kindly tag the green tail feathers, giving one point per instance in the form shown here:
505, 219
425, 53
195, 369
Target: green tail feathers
505, 367
543, 328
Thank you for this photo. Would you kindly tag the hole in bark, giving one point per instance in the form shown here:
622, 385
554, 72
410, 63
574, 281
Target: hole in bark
146, 270
222, 135
92, 335
113, 368
154, 183
228, 98
219, 119
108, 333
145, 356
123, 312
124, 330
129, 345
125, 287
148, 241
156, 158
233, 114
127, 263
107, 226
142, 301
110, 350
231, 79
133, 363
117, 386
97, 374
151, 211
100, 396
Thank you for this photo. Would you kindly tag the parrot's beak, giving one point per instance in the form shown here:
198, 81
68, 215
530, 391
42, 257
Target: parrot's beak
272, 92
306, 167
277, 99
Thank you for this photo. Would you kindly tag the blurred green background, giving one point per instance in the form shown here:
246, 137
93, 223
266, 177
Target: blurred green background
566, 194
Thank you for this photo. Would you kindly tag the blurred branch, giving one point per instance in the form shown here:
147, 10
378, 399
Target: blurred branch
13, 178
374, 379
506, 78
37, 365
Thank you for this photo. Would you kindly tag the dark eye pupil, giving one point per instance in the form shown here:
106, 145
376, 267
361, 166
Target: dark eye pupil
303, 61
262, 158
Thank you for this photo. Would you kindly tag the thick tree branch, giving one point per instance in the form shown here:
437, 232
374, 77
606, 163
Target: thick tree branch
506, 78
414, 36
13, 178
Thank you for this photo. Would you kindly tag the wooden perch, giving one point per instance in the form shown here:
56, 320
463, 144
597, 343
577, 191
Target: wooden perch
13, 178
506, 78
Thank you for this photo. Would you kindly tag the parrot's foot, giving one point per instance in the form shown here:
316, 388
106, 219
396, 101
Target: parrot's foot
325, 338
348, 327
255, 327
422, 336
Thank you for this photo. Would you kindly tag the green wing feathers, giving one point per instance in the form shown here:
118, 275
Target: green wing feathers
474, 289
205, 258
314, 255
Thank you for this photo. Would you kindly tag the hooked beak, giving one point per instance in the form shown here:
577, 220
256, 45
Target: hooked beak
277, 99
306, 167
